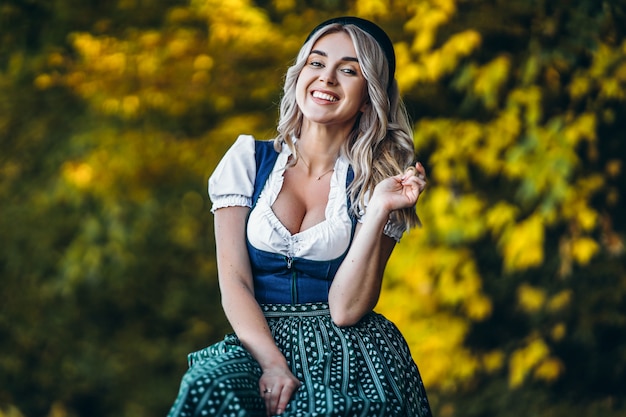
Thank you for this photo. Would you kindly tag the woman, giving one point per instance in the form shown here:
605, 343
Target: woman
304, 226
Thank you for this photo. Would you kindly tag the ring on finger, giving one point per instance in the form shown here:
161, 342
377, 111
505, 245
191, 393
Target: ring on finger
267, 391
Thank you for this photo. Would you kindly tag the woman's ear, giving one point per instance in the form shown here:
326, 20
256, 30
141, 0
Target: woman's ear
365, 105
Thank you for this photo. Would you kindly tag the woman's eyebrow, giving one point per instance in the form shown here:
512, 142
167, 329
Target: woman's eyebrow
324, 54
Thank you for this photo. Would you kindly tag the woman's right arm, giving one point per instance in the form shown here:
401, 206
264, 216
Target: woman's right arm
243, 311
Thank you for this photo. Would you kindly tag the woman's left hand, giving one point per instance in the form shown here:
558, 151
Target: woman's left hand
401, 191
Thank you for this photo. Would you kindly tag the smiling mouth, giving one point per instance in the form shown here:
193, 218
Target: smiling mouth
324, 96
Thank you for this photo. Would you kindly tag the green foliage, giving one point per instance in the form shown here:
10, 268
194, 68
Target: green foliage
113, 115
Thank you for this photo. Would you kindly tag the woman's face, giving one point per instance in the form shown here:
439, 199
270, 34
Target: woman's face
331, 88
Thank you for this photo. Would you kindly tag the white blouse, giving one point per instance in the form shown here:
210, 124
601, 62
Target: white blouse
232, 184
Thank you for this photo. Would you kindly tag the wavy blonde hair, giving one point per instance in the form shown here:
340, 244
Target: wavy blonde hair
381, 143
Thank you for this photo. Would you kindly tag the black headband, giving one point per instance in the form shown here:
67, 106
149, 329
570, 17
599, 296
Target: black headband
372, 29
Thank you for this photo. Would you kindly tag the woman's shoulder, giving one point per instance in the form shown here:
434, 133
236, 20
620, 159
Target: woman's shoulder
244, 142
249, 143
233, 179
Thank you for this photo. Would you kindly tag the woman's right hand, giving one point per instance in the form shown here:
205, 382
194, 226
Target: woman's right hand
243, 311
277, 385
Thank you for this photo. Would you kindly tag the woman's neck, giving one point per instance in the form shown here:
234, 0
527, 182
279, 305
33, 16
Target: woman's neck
321, 143
318, 149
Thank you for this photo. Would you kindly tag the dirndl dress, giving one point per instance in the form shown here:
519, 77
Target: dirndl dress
362, 370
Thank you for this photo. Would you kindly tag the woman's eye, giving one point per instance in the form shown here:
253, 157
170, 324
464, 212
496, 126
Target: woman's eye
348, 71
315, 64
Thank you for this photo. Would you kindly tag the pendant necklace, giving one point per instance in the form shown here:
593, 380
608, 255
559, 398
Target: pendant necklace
319, 177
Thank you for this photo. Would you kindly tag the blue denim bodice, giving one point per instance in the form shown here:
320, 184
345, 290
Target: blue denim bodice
285, 280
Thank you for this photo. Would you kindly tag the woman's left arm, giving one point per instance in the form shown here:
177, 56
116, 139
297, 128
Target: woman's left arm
356, 287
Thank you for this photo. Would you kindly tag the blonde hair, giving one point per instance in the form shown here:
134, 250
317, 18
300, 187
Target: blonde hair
381, 142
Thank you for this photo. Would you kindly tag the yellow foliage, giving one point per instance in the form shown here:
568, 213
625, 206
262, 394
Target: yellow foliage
603, 57
587, 218
579, 87
114, 63
490, 80
529, 99
478, 307
10, 411
558, 332
614, 168
425, 35
559, 301
549, 369
440, 352
451, 217
446, 410
493, 361
87, 45
201, 78
408, 72
79, 174
110, 106
418, 280
43, 81
448, 6
608, 71
177, 47
505, 129
184, 230
540, 157
426, 19
582, 128
583, 249
126, 77
55, 59
430, 64
148, 66
457, 281
611, 89
523, 244
203, 62
178, 14
442, 61
149, 39
501, 216
130, 106
237, 22
57, 410
576, 202
530, 299
523, 360
284, 5
371, 8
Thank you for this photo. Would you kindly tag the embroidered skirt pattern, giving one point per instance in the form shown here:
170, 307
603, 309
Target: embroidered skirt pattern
362, 370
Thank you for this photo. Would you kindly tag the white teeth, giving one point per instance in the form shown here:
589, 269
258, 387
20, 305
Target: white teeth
323, 96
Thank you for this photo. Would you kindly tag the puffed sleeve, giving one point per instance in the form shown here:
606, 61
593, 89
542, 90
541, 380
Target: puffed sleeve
232, 182
394, 228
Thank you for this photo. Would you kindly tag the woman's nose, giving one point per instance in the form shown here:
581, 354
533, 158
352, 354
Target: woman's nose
328, 77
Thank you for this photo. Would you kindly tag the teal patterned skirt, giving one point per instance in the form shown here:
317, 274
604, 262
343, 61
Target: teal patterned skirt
362, 370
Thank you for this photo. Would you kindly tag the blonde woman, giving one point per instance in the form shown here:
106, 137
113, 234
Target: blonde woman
304, 227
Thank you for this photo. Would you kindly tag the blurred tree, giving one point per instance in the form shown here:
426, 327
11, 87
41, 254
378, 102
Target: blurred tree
517, 280
113, 114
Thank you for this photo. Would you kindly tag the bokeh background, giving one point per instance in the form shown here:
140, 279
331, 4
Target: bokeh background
114, 113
